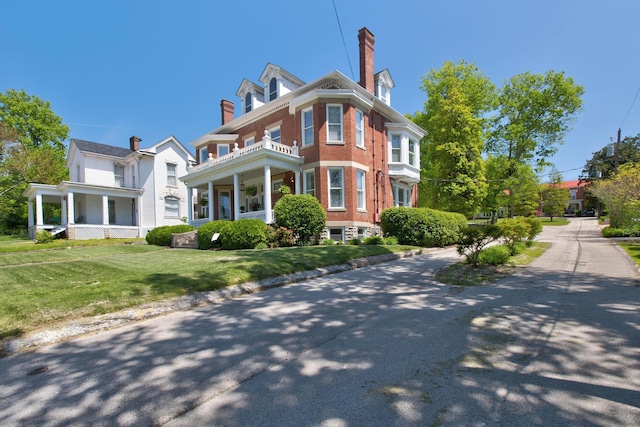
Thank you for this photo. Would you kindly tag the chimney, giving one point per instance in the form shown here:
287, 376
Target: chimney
366, 59
134, 143
227, 111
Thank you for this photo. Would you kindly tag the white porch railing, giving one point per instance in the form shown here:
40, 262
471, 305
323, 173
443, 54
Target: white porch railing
265, 144
261, 215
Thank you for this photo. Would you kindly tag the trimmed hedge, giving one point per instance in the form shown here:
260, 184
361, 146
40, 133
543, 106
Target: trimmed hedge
161, 236
423, 226
494, 255
206, 232
244, 234
301, 213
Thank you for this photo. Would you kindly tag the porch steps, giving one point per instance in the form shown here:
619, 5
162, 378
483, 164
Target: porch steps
188, 240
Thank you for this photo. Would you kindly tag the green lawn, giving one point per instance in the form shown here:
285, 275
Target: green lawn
545, 220
633, 249
39, 287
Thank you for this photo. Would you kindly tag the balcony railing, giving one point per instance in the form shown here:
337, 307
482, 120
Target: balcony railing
265, 144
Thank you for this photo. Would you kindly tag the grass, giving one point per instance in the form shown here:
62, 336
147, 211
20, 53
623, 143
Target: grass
463, 274
21, 243
42, 287
632, 247
557, 220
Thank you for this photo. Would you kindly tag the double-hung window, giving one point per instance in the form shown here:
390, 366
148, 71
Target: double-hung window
310, 182
412, 152
401, 195
171, 207
249, 142
223, 150
334, 123
361, 201
172, 179
395, 149
359, 129
118, 173
204, 154
275, 134
336, 187
307, 127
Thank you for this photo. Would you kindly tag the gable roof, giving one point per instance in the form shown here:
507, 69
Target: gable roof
104, 149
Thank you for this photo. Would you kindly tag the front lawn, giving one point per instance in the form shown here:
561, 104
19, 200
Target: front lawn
46, 286
633, 249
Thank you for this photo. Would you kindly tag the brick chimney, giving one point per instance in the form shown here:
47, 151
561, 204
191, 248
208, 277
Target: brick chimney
134, 143
227, 111
366, 59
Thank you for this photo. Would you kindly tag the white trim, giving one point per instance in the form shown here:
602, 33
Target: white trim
330, 124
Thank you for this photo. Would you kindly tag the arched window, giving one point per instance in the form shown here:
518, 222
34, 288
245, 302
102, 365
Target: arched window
247, 102
273, 89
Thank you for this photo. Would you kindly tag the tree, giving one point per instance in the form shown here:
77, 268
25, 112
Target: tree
301, 213
33, 150
535, 113
554, 197
458, 97
602, 163
621, 194
518, 193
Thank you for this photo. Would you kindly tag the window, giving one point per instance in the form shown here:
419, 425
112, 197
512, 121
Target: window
310, 182
223, 150
361, 202
382, 92
112, 211
273, 89
133, 176
204, 205
171, 175
395, 148
118, 173
275, 185
401, 195
204, 154
412, 152
336, 234
362, 232
307, 127
247, 102
171, 207
275, 134
336, 187
359, 129
334, 123
249, 142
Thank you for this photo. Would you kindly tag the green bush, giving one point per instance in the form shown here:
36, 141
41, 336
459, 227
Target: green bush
494, 255
327, 242
244, 234
161, 236
206, 232
355, 241
301, 213
519, 248
44, 237
609, 231
474, 240
423, 226
280, 237
514, 230
391, 240
260, 246
535, 228
373, 240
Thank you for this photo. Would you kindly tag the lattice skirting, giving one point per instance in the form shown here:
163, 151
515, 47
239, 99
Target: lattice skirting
123, 233
86, 233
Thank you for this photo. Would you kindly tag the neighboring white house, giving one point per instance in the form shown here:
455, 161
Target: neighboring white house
113, 192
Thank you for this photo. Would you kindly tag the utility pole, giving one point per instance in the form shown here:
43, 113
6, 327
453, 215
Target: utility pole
616, 153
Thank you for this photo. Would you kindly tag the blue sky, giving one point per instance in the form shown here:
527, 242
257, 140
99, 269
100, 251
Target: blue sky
113, 69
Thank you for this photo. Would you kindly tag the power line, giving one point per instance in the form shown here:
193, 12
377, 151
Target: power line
632, 104
344, 43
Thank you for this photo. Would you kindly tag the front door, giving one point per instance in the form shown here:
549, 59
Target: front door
224, 204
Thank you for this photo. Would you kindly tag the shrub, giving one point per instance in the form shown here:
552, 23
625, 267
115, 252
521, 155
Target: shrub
535, 228
494, 255
301, 213
161, 236
373, 240
391, 240
621, 232
423, 226
279, 237
206, 232
261, 245
327, 242
355, 241
519, 248
474, 240
244, 234
513, 230
44, 237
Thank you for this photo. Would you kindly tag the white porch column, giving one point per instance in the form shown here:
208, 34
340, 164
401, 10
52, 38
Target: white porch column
297, 182
30, 213
71, 209
63, 210
236, 196
189, 204
105, 209
267, 194
39, 219
139, 214
210, 201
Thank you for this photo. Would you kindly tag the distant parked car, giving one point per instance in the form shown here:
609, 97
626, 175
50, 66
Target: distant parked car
590, 212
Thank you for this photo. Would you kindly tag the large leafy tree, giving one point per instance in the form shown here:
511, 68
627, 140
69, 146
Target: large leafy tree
603, 162
554, 197
33, 150
452, 169
621, 194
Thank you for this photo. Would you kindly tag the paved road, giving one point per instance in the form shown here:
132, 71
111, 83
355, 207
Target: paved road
556, 344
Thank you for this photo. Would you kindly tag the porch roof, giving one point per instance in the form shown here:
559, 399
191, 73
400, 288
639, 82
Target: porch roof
66, 187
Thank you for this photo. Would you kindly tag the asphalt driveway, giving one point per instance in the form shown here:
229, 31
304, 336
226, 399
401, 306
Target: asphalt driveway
556, 344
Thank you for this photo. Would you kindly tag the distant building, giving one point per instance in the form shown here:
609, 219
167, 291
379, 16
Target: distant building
576, 196
333, 138
113, 192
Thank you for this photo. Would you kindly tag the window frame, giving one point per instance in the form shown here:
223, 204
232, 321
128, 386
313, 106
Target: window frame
273, 91
279, 137
166, 207
359, 129
330, 124
249, 141
172, 178
218, 146
406, 192
397, 149
204, 154
331, 189
305, 178
361, 185
412, 152
248, 102
305, 127
118, 178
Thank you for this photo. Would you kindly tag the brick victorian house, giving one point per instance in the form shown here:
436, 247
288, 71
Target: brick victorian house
336, 139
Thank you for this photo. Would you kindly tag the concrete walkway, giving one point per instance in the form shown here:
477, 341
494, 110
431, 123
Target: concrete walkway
558, 343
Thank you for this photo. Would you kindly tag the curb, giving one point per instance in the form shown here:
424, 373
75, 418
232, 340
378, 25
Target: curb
148, 311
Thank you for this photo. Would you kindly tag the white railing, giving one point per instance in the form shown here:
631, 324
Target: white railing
265, 144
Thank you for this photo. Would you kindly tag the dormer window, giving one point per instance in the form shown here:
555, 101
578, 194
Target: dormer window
384, 84
248, 102
273, 89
